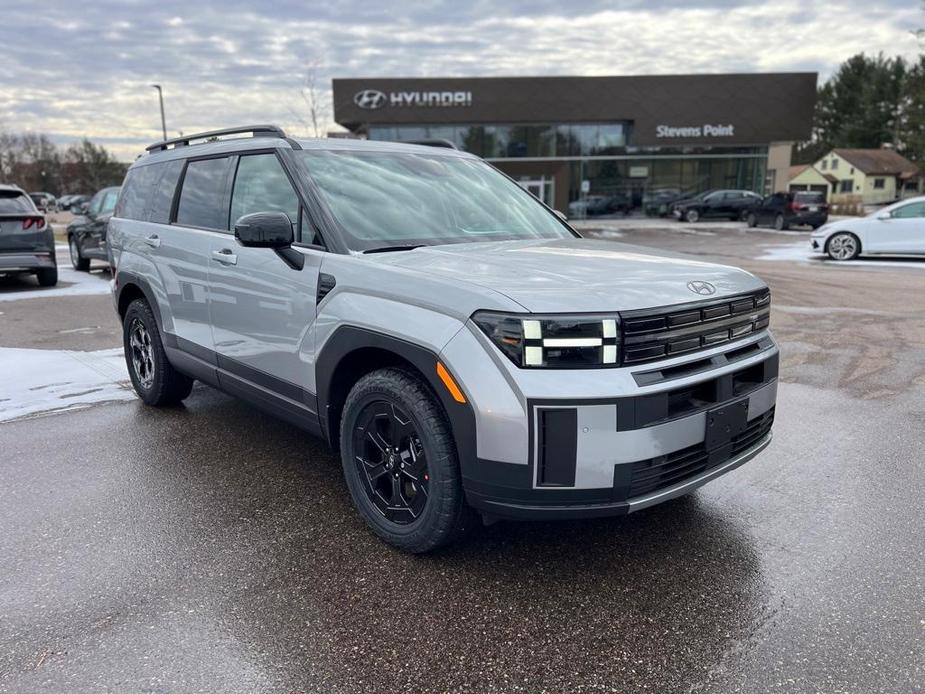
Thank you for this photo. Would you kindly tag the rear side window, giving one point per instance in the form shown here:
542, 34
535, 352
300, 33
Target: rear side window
136, 191
261, 185
14, 203
202, 201
162, 200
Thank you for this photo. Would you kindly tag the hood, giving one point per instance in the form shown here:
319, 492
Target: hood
573, 275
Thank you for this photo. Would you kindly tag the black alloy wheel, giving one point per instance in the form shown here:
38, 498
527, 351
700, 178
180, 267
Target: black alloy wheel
390, 459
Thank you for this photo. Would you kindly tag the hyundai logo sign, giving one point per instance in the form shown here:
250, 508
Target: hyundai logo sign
369, 99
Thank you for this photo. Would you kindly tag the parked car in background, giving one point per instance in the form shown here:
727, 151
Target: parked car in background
785, 210
729, 204
598, 205
45, 202
71, 203
658, 203
86, 235
898, 229
27, 243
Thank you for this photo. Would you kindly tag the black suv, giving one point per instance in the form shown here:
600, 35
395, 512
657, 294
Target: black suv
27, 243
86, 235
731, 204
784, 210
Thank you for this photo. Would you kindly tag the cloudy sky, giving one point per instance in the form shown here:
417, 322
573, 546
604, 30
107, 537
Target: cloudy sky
83, 68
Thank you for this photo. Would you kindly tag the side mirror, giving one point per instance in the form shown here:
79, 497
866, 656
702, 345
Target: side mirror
269, 230
264, 230
884, 215
83, 208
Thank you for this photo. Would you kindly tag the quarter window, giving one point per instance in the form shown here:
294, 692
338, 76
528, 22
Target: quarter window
136, 191
162, 200
202, 198
261, 185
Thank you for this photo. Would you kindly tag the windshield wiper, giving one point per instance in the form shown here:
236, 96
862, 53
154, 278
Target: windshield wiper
387, 249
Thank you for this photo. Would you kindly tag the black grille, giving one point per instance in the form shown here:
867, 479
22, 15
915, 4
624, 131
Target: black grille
648, 476
652, 335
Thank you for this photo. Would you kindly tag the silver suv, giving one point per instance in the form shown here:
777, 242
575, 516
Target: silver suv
464, 349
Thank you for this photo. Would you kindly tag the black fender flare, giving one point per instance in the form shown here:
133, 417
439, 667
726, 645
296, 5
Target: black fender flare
123, 280
348, 339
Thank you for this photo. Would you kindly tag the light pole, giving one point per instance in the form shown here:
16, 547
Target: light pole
160, 96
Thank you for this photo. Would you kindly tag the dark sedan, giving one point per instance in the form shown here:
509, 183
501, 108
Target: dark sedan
716, 204
86, 235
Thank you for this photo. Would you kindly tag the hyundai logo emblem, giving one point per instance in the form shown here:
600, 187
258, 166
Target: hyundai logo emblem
369, 99
702, 288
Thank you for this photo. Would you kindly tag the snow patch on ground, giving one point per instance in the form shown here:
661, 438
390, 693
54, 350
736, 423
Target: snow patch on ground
793, 252
34, 381
80, 283
802, 252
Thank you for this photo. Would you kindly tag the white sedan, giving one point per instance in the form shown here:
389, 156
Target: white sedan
898, 229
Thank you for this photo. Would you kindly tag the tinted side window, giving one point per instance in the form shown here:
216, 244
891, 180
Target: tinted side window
161, 201
108, 203
202, 197
915, 209
136, 191
261, 185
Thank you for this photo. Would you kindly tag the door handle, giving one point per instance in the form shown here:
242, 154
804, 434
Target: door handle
225, 256
153, 240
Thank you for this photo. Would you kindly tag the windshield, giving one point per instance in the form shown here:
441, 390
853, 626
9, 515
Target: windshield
383, 199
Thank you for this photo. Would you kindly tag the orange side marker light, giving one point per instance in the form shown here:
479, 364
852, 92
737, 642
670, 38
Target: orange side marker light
450, 383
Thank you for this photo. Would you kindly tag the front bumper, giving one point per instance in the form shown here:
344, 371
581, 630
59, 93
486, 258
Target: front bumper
22, 261
621, 439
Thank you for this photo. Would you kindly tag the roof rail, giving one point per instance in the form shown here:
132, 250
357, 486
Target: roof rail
255, 130
439, 142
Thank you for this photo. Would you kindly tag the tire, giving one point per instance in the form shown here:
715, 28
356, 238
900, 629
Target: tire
692, 216
47, 277
391, 419
780, 223
843, 246
153, 377
79, 262
751, 220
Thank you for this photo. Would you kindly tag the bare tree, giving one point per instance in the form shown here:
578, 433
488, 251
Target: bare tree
317, 99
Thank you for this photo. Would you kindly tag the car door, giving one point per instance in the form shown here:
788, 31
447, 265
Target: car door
901, 230
262, 309
182, 249
84, 227
96, 229
712, 204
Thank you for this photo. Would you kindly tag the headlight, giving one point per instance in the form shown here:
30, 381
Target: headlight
554, 341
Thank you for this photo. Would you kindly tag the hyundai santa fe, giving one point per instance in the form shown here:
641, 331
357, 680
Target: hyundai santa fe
465, 351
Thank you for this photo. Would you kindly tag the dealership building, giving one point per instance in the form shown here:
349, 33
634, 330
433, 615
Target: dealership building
599, 144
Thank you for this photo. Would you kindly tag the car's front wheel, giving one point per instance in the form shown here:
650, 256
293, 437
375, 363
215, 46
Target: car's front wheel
692, 216
780, 223
400, 462
153, 376
843, 246
79, 262
751, 220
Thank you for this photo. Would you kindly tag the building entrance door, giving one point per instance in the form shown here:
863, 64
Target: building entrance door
543, 188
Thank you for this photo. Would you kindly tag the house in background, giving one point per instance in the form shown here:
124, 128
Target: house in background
869, 176
808, 177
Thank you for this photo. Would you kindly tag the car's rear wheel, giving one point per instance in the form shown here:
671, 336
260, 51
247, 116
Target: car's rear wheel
843, 246
751, 220
80, 263
692, 216
400, 462
780, 223
153, 376
47, 277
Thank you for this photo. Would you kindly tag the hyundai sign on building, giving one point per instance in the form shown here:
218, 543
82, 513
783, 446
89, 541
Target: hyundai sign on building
600, 145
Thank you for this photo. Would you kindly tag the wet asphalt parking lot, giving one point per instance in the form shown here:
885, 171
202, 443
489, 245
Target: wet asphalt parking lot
212, 548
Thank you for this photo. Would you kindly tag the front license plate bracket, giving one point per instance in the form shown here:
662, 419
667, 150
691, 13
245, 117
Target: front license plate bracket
725, 423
